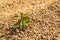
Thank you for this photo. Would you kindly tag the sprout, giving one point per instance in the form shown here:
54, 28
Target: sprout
22, 22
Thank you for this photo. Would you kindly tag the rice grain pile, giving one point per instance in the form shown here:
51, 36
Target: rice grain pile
44, 19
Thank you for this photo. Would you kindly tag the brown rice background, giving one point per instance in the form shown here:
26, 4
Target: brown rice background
44, 19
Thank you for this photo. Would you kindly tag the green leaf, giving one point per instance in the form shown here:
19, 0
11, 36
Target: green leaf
23, 15
16, 16
24, 22
16, 26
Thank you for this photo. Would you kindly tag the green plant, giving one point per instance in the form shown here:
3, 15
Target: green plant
22, 22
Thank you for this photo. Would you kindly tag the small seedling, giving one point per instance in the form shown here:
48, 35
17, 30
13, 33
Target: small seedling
22, 22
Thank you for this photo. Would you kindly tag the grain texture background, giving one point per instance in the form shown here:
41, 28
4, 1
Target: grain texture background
44, 19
